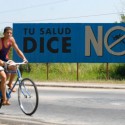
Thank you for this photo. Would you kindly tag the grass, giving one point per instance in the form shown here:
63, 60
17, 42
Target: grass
87, 72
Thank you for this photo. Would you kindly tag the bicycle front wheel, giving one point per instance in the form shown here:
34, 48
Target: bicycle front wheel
28, 96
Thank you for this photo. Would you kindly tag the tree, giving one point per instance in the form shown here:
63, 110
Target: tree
122, 18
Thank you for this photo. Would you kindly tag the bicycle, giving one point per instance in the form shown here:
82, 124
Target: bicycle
27, 92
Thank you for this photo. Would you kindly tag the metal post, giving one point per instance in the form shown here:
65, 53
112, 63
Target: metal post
77, 71
47, 71
107, 71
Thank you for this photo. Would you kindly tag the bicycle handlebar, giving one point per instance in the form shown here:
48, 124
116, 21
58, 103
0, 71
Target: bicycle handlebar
11, 63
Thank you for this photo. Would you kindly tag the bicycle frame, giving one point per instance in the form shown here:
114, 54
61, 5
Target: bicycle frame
19, 78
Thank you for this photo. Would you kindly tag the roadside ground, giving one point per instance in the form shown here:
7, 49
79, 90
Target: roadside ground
82, 85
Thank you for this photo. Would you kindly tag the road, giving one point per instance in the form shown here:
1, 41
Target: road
70, 106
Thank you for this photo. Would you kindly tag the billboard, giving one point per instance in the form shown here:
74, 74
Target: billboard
71, 42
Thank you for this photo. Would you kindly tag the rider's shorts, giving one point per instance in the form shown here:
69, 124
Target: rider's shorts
1, 68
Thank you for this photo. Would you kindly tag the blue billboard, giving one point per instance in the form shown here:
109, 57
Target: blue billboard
70, 42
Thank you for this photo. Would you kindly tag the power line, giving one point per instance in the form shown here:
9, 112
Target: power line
104, 14
84, 16
33, 6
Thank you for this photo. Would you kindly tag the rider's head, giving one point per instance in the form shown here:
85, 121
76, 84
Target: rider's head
7, 32
7, 28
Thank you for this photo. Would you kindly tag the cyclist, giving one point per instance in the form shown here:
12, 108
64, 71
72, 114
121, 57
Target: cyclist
6, 42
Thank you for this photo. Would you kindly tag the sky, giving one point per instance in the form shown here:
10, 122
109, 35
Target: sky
60, 11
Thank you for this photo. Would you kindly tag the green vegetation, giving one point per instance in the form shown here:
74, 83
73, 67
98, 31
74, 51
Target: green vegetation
68, 71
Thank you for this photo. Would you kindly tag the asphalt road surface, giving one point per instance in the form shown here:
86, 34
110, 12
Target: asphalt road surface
70, 106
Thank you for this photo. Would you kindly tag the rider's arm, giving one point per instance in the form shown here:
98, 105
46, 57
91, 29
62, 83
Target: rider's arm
19, 52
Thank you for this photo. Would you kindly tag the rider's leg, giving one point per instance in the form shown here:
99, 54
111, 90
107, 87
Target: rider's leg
3, 88
11, 79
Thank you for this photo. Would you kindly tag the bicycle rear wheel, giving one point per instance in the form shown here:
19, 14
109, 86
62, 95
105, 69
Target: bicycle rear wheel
28, 96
